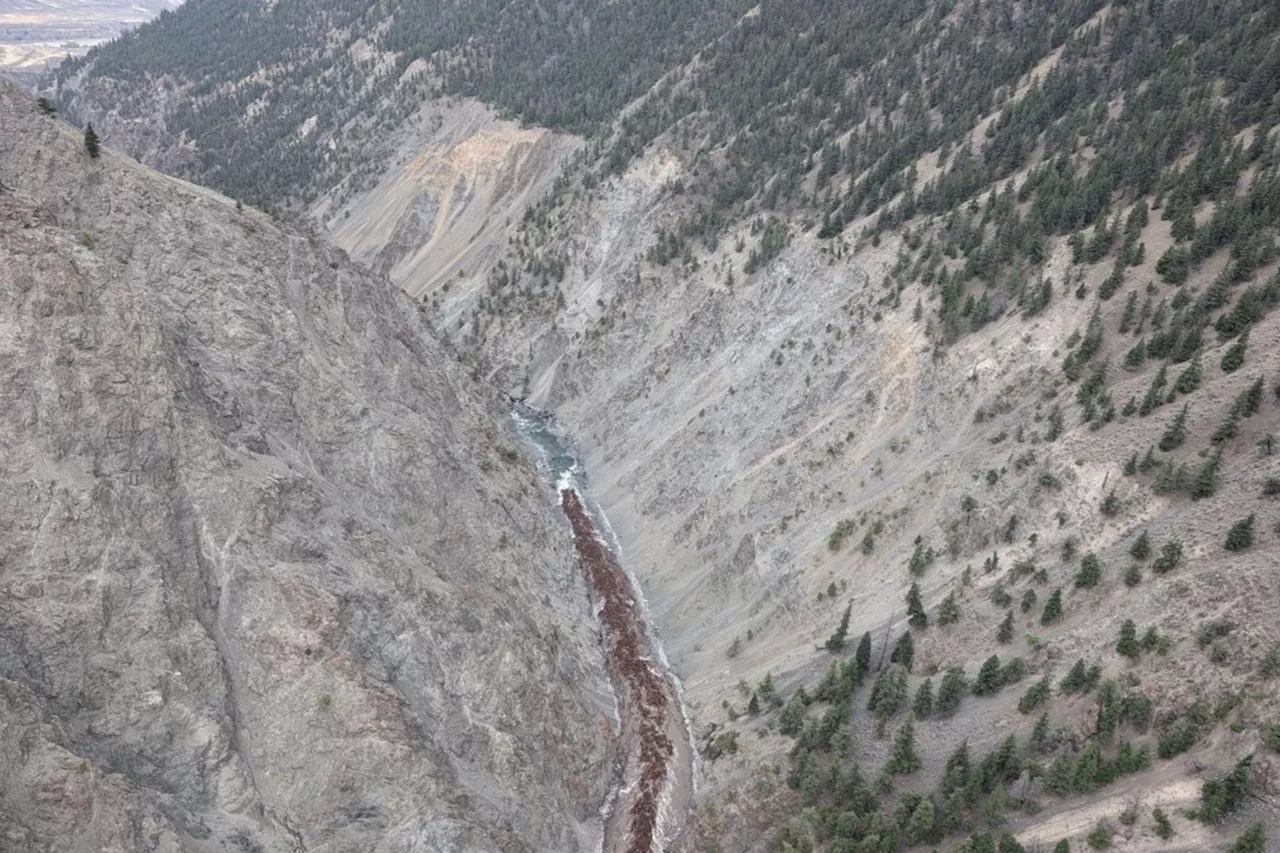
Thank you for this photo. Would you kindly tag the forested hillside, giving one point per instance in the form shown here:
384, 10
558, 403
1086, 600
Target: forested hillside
926, 351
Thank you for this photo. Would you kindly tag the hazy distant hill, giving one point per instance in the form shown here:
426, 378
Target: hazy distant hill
37, 34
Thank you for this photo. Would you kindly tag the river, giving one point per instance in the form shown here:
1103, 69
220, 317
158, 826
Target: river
649, 804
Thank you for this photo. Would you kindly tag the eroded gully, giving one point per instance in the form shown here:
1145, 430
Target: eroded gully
653, 787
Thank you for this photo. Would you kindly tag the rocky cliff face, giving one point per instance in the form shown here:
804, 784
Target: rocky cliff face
272, 575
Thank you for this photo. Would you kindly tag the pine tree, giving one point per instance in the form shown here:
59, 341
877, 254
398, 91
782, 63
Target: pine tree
753, 706
1058, 780
949, 610
950, 692
1052, 608
1206, 482
1233, 359
1004, 634
862, 657
791, 718
1090, 573
91, 146
917, 618
1036, 695
920, 826
902, 755
766, 689
1176, 433
988, 680
889, 693
1221, 797
922, 707
1088, 774
1063, 846
1151, 401
1189, 379
1141, 547
904, 651
836, 641
1240, 536
1076, 679
1127, 644
1040, 734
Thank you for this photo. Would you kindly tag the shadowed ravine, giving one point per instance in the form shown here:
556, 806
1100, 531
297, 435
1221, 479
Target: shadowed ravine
653, 790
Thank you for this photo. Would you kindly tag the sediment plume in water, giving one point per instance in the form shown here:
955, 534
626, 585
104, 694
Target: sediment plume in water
646, 699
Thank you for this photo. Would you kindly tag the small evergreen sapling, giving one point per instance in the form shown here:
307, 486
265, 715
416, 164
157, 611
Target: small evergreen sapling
91, 142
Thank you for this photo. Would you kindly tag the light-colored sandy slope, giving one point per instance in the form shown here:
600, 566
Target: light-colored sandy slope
458, 187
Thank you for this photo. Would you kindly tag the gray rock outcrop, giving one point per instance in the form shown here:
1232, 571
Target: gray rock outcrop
271, 575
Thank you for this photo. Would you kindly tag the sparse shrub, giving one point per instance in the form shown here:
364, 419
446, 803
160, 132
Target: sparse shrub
1170, 557
1133, 575
1110, 505
1164, 828
1127, 644
1240, 536
844, 528
1000, 596
1271, 487
1214, 630
1270, 665
1100, 837
1178, 739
